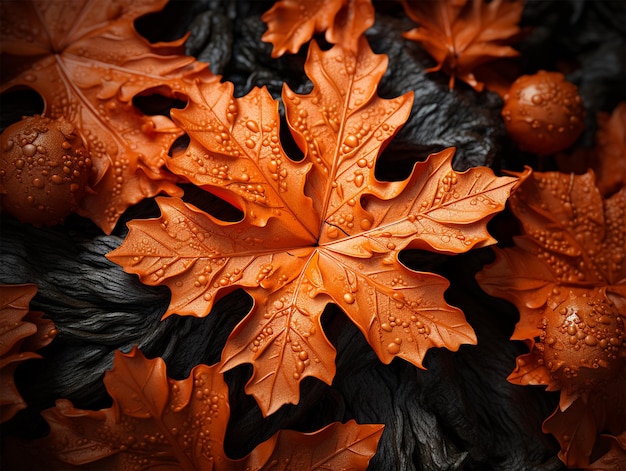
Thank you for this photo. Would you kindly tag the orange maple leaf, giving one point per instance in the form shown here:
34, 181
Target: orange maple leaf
567, 276
291, 23
157, 422
22, 332
591, 431
317, 231
607, 158
462, 35
88, 62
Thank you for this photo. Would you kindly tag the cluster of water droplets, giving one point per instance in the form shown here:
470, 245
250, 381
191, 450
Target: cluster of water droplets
44, 167
600, 245
583, 340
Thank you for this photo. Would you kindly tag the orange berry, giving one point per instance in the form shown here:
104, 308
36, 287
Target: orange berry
543, 112
44, 170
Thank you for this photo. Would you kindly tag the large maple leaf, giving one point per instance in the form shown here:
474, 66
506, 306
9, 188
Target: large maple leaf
462, 35
291, 23
316, 231
88, 62
22, 332
159, 423
567, 276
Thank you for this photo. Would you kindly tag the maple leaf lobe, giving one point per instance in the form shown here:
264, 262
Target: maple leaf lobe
22, 332
291, 23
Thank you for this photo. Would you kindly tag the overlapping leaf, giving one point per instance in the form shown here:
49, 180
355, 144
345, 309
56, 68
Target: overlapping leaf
573, 240
22, 332
88, 62
461, 35
158, 422
609, 159
592, 428
291, 23
317, 231
567, 276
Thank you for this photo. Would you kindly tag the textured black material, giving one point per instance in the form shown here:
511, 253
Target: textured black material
460, 413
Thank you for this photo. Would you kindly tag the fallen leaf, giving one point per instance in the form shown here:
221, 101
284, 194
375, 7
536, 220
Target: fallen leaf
88, 62
566, 275
158, 422
462, 35
291, 23
609, 159
318, 231
584, 428
22, 332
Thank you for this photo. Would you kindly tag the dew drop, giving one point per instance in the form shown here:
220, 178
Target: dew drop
252, 126
591, 340
393, 348
351, 141
29, 150
348, 298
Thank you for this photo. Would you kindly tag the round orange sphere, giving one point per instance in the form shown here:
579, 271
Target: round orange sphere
44, 170
543, 113
585, 342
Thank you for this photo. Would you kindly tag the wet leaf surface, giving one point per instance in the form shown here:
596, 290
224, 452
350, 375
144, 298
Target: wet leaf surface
316, 231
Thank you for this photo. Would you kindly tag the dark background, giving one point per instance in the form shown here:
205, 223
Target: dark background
460, 413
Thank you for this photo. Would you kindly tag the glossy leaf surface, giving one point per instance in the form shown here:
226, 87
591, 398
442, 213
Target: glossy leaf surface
464, 34
159, 423
88, 62
317, 231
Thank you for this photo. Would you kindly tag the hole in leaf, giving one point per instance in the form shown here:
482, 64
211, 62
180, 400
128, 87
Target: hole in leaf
211, 204
423, 260
288, 142
179, 145
152, 103
396, 161
168, 24
17, 103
